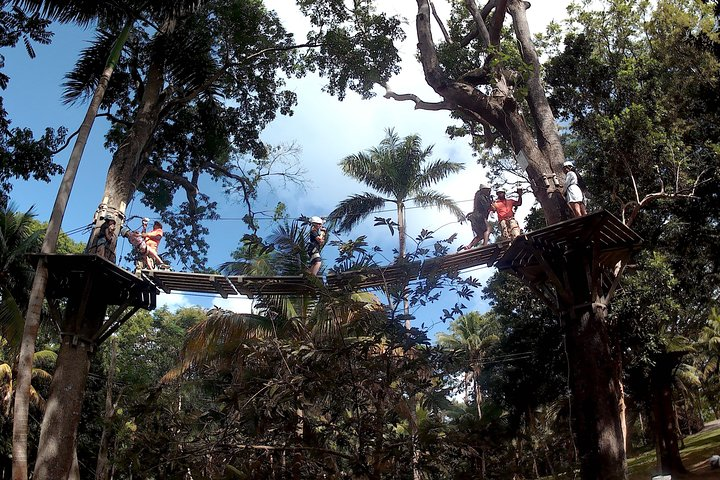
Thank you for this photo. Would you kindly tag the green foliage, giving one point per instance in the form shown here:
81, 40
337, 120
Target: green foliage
400, 170
21, 155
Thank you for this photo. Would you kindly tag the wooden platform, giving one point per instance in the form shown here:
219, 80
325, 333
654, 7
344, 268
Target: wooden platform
68, 275
600, 231
575, 262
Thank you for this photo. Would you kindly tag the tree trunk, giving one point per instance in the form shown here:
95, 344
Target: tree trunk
502, 113
668, 452
102, 469
37, 294
62, 415
402, 231
593, 378
595, 397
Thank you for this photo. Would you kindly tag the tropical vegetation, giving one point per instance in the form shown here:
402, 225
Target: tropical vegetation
334, 385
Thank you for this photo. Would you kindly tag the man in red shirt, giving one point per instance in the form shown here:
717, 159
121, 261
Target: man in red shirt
505, 209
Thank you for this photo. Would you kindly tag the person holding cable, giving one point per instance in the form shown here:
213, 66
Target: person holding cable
505, 209
315, 244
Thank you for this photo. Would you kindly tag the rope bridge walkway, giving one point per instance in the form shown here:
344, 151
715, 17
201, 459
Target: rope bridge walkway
251, 285
608, 238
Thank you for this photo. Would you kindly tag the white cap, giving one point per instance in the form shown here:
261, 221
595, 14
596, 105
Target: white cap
316, 219
483, 187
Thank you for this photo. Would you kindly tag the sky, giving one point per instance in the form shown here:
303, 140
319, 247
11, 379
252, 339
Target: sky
325, 129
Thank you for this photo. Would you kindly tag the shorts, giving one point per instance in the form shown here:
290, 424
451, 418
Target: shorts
510, 228
478, 223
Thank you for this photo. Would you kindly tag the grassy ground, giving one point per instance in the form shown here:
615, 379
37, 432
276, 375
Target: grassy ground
695, 455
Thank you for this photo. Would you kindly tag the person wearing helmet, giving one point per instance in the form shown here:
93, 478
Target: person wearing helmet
102, 245
505, 209
573, 190
317, 240
482, 204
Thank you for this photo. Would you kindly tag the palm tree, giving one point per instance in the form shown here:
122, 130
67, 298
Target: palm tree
398, 170
82, 12
472, 335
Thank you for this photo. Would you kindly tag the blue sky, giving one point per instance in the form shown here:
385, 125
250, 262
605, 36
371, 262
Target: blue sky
325, 129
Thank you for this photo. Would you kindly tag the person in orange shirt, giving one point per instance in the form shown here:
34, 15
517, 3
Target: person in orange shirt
152, 241
505, 209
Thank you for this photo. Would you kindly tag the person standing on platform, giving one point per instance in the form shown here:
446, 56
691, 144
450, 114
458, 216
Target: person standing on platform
505, 209
317, 240
152, 241
482, 204
574, 190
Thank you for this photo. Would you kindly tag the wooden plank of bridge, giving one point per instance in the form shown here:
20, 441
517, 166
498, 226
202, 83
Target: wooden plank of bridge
170, 281
455, 262
374, 277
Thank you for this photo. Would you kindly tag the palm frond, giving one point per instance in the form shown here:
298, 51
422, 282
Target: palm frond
45, 358
219, 337
354, 209
81, 82
12, 321
82, 12
5, 373
40, 374
438, 170
431, 198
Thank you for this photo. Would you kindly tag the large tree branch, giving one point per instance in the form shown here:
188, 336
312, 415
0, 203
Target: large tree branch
419, 103
440, 23
497, 22
115, 119
680, 193
479, 22
548, 137
191, 189
476, 31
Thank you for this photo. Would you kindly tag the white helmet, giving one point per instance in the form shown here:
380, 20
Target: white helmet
317, 220
484, 187
568, 164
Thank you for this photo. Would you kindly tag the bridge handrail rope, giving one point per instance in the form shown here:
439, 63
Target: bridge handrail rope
598, 227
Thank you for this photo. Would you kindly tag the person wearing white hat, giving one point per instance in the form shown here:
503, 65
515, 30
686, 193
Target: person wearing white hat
317, 240
505, 209
573, 191
482, 204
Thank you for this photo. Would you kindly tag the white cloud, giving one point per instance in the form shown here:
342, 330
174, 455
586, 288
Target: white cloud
234, 304
174, 301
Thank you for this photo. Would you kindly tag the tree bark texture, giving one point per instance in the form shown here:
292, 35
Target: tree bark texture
668, 451
500, 111
62, 415
102, 470
595, 396
593, 378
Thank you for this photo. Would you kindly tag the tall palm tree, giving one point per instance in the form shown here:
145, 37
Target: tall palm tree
399, 170
82, 12
472, 335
